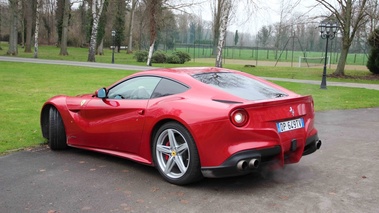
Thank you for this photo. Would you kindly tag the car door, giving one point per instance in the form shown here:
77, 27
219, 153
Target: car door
117, 122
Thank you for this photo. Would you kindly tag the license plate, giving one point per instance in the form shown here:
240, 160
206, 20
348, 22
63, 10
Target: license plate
290, 125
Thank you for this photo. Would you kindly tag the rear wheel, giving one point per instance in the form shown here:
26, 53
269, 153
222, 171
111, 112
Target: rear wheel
175, 154
57, 133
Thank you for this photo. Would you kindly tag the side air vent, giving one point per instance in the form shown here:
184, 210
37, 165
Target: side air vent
227, 101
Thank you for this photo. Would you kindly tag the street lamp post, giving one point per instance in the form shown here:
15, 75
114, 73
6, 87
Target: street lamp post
113, 46
328, 31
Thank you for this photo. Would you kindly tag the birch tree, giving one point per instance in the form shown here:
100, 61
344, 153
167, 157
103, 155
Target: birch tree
96, 9
225, 9
351, 16
38, 2
223, 14
153, 7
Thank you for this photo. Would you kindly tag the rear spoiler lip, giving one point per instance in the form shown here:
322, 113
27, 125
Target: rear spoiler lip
278, 101
271, 102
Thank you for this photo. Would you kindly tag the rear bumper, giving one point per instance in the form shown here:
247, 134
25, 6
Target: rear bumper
238, 164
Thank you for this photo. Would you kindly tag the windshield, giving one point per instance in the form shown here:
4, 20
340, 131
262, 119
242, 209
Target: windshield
240, 85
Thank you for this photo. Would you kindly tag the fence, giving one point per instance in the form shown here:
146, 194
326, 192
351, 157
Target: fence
265, 54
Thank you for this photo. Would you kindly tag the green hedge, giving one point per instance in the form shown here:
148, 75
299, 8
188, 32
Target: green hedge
177, 57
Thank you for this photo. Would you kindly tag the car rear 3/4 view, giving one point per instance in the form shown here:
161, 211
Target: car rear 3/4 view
189, 123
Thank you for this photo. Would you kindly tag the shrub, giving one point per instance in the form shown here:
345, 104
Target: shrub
183, 56
177, 57
373, 61
141, 56
373, 58
159, 57
173, 59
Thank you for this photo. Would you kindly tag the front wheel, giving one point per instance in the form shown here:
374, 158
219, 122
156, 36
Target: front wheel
175, 154
57, 133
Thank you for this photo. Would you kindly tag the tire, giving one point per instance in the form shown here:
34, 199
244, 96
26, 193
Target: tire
175, 154
57, 133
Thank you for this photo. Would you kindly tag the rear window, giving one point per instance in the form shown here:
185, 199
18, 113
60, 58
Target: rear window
239, 85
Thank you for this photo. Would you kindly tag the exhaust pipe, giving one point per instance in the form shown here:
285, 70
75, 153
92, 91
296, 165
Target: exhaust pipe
318, 144
254, 163
251, 164
242, 165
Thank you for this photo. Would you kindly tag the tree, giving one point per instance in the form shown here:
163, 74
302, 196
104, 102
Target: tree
264, 35
236, 38
96, 8
223, 13
47, 18
119, 23
192, 30
29, 16
225, 8
168, 30
282, 28
153, 8
64, 26
351, 16
36, 29
101, 29
217, 7
131, 21
13, 36
373, 59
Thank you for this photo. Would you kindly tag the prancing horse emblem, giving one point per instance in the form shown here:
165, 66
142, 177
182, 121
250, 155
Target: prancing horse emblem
292, 111
83, 102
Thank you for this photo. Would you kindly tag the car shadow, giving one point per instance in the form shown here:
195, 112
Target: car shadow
254, 181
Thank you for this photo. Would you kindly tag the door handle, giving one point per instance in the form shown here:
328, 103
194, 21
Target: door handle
141, 112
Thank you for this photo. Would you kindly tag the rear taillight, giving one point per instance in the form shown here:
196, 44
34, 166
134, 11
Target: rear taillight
239, 117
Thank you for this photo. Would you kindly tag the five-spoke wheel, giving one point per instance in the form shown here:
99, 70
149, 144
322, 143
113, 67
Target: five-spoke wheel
175, 154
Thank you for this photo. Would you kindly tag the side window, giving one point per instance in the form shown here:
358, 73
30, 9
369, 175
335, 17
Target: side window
168, 87
135, 88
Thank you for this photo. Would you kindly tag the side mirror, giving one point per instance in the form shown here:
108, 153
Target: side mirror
101, 93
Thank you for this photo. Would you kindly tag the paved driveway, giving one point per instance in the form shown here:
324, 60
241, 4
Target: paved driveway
341, 177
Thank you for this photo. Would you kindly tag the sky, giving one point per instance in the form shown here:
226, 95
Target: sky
266, 12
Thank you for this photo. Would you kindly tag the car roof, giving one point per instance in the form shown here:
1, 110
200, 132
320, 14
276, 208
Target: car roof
190, 70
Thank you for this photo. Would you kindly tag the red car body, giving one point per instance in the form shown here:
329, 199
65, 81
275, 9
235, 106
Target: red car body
232, 135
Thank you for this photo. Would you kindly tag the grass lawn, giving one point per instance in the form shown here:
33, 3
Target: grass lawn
26, 86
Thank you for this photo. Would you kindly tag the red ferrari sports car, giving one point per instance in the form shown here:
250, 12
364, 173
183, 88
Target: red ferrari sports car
187, 122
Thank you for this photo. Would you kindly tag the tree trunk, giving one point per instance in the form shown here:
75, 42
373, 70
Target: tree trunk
22, 33
36, 30
340, 70
130, 45
28, 17
97, 8
224, 13
151, 50
66, 15
100, 48
152, 9
13, 35
216, 25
